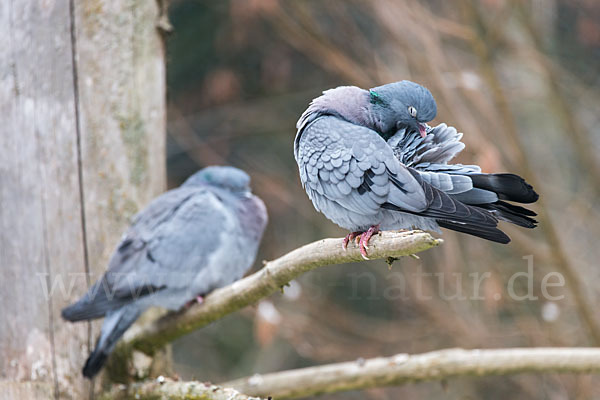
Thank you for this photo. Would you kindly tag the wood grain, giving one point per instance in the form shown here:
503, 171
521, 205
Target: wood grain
82, 149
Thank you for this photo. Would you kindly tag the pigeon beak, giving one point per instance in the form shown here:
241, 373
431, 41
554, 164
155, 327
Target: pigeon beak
422, 129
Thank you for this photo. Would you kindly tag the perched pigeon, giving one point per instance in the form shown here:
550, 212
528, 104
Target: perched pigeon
185, 243
364, 183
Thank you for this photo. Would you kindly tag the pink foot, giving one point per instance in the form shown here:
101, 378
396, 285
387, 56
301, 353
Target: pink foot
349, 237
199, 299
364, 240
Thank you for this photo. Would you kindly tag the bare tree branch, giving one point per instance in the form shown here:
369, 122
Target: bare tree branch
382, 371
275, 274
404, 368
168, 389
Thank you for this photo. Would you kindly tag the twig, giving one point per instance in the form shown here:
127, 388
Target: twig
275, 274
404, 368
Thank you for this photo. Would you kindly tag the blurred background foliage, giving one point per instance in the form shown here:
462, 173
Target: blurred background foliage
519, 78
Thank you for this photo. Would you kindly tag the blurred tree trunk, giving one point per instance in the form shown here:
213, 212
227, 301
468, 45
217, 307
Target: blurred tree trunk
82, 147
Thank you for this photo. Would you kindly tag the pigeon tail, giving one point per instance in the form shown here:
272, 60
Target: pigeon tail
517, 215
509, 187
485, 232
115, 325
94, 363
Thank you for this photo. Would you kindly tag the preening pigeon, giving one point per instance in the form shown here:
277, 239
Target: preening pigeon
185, 243
368, 161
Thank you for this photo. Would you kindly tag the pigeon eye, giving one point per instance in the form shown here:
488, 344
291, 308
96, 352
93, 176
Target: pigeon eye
412, 111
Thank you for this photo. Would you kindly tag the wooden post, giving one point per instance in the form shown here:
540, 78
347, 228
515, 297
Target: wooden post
82, 148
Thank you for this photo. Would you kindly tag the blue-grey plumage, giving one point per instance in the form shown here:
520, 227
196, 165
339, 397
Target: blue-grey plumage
185, 243
430, 157
363, 175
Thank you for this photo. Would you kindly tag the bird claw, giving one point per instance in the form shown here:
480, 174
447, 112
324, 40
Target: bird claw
349, 237
364, 240
363, 247
361, 239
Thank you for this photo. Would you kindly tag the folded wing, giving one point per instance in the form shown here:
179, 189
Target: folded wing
162, 251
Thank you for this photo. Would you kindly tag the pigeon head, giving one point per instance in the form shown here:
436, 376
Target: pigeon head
230, 178
403, 104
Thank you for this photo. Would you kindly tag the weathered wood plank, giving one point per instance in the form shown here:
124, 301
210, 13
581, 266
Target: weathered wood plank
115, 149
122, 108
40, 226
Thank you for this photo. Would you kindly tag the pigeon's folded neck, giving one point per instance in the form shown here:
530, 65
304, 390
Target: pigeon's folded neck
349, 103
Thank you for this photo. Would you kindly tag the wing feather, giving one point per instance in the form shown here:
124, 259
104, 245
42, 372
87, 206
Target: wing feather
162, 250
359, 170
